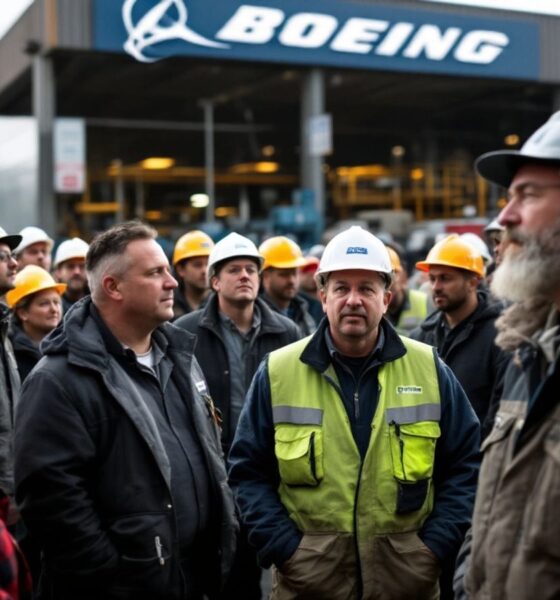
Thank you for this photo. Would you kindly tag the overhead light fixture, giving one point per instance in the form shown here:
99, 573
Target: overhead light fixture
398, 151
225, 211
417, 174
268, 150
511, 140
153, 215
157, 162
256, 167
199, 200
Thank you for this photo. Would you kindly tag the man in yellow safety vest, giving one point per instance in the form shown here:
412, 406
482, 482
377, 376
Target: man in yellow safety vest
355, 460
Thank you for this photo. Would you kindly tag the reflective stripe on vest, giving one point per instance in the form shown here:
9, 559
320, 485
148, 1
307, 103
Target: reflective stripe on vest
322, 485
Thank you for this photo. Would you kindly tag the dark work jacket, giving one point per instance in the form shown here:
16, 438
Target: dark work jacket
93, 479
275, 331
25, 349
298, 312
477, 362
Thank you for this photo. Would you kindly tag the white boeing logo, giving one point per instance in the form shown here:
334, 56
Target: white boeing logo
259, 25
149, 31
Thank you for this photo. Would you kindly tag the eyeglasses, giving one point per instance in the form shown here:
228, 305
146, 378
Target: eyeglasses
6, 256
527, 192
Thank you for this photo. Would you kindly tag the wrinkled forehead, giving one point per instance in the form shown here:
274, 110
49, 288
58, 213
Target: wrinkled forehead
538, 174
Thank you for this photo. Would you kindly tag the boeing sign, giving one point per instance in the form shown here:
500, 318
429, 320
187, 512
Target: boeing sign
327, 33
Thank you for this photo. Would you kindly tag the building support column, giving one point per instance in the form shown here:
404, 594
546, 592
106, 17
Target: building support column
208, 107
312, 104
44, 110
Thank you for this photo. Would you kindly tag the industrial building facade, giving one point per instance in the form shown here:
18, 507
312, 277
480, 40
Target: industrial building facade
274, 115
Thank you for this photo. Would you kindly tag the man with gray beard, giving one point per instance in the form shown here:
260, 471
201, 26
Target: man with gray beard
512, 550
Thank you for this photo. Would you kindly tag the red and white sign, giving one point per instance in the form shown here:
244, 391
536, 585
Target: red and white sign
69, 156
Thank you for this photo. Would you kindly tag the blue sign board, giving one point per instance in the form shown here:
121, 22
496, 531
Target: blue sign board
333, 33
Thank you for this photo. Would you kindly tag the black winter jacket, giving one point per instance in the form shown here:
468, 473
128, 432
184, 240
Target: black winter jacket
275, 331
474, 358
93, 477
26, 351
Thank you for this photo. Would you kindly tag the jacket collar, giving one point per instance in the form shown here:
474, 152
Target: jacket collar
484, 310
87, 341
270, 323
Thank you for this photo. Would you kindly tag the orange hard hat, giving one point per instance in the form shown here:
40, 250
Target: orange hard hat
32, 279
452, 251
282, 253
395, 259
194, 243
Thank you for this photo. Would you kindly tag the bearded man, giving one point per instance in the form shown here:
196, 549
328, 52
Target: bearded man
512, 550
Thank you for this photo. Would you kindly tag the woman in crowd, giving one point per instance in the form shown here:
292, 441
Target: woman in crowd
37, 310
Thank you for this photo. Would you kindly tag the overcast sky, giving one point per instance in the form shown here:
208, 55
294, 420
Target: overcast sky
10, 10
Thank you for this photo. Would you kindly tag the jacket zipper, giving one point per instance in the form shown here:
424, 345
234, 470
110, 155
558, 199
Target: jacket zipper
360, 585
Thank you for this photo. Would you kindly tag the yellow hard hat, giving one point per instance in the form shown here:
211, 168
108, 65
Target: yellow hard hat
395, 260
32, 279
281, 253
454, 252
194, 243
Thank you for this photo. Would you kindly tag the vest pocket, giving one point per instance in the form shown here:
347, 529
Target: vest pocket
299, 451
413, 447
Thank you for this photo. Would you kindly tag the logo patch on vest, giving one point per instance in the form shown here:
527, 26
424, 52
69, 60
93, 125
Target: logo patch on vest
356, 250
409, 389
200, 386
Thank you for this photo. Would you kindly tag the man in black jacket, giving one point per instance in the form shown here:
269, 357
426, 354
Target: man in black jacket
234, 331
119, 469
462, 329
9, 376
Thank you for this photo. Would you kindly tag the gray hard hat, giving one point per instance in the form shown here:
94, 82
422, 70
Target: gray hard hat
543, 147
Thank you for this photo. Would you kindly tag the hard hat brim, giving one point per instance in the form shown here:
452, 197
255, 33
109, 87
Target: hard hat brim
12, 241
294, 263
14, 296
500, 167
425, 266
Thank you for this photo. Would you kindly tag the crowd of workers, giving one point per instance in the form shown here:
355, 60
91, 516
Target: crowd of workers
168, 431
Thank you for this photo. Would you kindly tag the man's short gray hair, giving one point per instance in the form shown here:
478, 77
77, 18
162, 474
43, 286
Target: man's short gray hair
105, 253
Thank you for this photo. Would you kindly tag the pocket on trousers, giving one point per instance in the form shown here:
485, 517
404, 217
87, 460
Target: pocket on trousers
321, 567
406, 566
299, 452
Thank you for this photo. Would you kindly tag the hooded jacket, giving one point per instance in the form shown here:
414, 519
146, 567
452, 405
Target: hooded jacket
473, 356
275, 331
93, 477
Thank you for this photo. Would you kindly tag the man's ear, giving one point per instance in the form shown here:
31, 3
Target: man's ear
214, 283
111, 287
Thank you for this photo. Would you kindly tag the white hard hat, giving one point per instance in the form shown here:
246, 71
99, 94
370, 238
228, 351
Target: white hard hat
32, 235
478, 244
355, 248
542, 147
232, 246
74, 248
